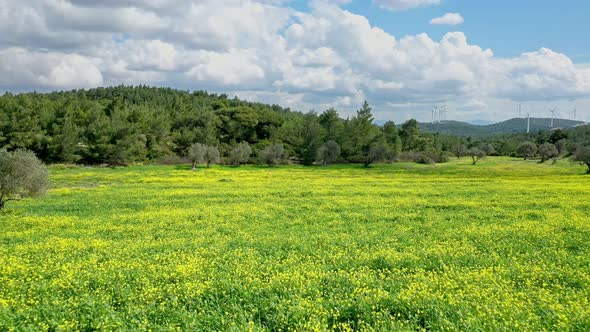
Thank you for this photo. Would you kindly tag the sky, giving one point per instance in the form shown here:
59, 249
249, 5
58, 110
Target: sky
484, 60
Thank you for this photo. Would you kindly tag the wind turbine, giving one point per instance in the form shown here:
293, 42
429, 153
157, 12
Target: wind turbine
528, 123
552, 115
575, 110
434, 114
443, 111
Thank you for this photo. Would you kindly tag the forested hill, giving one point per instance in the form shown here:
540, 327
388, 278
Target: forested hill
122, 125
515, 125
125, 124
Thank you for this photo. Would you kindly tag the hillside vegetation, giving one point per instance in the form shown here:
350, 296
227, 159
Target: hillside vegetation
501, 246
129, 125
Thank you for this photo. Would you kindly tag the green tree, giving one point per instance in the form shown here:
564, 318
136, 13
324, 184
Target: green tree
332, 124
459, 150
410, 136
313, 135
197, 154
273, 155
527, 150
375, 154
557, 135
362, 136
212, 155
547, 151
22, 175
328, 153
476, 155
582, 155
392, 140
240, 154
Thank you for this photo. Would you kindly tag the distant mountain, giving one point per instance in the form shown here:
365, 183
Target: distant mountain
480, 122
515, 125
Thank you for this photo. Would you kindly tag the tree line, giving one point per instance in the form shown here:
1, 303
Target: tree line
125, 124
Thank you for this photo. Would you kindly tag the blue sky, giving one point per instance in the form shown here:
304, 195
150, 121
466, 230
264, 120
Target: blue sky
508, 27
484, 60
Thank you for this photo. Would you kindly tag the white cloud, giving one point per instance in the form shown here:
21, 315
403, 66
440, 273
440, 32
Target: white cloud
265, 51
543, 74
20, 68
230, 69
404, 4
448, 19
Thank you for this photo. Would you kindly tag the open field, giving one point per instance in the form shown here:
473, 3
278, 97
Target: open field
503, 245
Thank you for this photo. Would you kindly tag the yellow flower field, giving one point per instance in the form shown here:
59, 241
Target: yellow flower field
500, 246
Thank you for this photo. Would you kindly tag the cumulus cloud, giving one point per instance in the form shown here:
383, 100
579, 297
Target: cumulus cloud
263, 50
229, 69
23, 69
448, 19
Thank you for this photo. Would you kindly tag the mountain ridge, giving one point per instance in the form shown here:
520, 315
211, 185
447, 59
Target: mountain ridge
514, 125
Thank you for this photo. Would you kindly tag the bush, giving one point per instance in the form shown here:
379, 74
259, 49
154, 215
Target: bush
425, 157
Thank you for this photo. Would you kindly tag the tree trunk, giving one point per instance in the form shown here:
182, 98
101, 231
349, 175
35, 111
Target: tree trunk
194, 165
208, 165
1, 205
588, 171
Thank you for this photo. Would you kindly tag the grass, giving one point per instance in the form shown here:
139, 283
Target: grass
502, 245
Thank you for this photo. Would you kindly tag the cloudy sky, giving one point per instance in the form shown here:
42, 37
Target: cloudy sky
481, 58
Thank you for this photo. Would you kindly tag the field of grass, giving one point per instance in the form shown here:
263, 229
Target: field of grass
504, 245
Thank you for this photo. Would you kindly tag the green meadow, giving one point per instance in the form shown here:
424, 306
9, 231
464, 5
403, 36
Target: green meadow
500, 246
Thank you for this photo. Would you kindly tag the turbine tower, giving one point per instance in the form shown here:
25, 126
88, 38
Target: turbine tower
519, 110
528, 123
434, 114
553, 115
443, 111
575, 110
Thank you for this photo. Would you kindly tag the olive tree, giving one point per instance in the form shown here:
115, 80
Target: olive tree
488, 149
212, 156
328, 153
374, 154
476, 155
200, 153
22, 175
582, 155
272, 155
240, 154
197, 153
527, 150
561, 146
459, 150
547, 151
